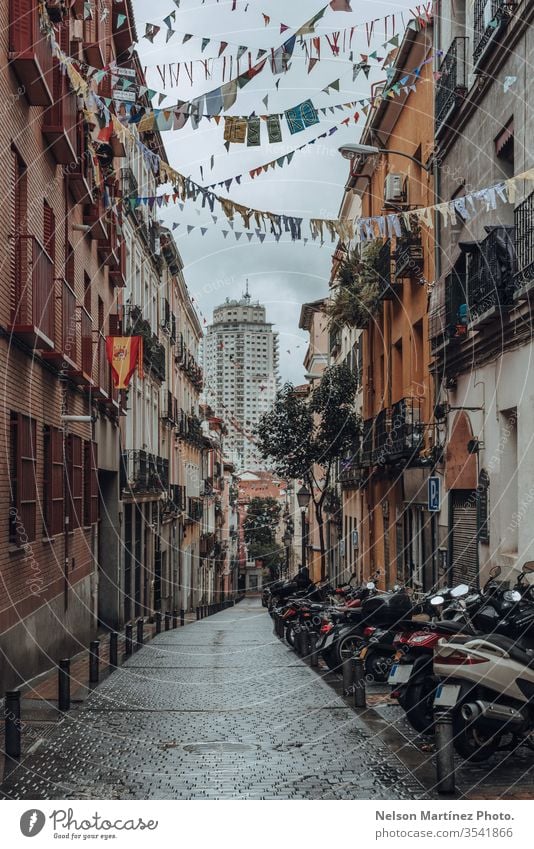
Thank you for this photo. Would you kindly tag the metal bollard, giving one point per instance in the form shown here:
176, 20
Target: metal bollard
445, 779
198, 613
182, 618
128, 640
94, 661
359, 683
175, 619
63, 684
157, 617
314, 655
113, 650
12, 723
347, 668
167, 621
140, 627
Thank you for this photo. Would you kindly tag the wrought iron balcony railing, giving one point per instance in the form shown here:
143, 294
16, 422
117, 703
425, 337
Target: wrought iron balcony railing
382, 437
491, 267
367, 443
142, 472
489, 22
407, 430
409, 260
452, 83
383, 269
524, 243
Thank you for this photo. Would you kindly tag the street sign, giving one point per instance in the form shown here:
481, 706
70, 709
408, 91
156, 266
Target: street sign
129, 96
434, 494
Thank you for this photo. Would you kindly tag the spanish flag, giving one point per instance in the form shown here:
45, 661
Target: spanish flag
124, 353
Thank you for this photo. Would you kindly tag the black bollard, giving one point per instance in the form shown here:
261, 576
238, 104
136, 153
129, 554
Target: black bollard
359, 683
158, 622
182, 618
304, 644
12, 723
128, 640
175, 619
63, 684
167, 621
140, 626
445, 780
198, 613
314, 656
113, 650
94, 661
347, 669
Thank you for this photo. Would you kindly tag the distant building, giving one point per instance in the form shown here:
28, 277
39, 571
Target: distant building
241, 366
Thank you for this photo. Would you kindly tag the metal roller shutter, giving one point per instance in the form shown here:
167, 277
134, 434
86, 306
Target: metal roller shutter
464, 543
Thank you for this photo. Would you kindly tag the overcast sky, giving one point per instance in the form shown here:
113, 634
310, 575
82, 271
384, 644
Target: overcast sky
286, 274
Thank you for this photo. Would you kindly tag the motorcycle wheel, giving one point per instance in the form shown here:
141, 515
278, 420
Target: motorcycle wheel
377, 665
473, 743
290, 636
347, 647
419, 704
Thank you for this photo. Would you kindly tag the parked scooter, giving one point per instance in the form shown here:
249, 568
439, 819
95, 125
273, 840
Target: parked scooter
487, 681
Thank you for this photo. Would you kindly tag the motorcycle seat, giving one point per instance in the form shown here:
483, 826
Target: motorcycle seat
450, 627
512, 648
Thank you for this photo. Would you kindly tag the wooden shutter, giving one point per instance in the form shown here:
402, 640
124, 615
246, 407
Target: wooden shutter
90, 483
54, 482
114, 324
75, 480
24, 484
19, 253
49, 231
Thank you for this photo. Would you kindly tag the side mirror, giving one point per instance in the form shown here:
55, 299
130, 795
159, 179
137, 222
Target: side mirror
437, 600
495, 571
528, 567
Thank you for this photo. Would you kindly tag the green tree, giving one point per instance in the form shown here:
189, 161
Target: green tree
303, 438
356, 296
259, 529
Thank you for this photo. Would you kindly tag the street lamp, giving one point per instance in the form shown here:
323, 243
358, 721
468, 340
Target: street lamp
303, 498
351, 151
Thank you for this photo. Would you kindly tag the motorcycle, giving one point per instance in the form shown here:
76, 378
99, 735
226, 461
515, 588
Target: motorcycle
487, 681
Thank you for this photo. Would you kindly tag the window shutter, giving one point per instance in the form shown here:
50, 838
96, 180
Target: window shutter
55, 481
26, 484
90, 483
75, 480
49, 231
114, 324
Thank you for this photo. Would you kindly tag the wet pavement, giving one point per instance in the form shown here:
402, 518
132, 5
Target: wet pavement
219, 709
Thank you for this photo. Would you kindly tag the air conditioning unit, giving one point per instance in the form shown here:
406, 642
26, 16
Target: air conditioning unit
394, 188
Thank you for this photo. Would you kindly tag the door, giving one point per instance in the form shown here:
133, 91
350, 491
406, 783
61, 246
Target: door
463, 537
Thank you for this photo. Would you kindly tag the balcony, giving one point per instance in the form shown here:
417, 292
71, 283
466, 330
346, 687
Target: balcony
94, 41
32, 316
189, 429
29, 52
130, 187
335, 342
409, 260
448, 316
195, 510
80, 173
112, 252
451, 86
367, 443
143, 473
382, 437
169, 408
102, 390
406, 436
524, 246
490, 22
82, 372
94, 217
60, 120
383, 269
65, 351
153, 350
177, 498
491, 266
351, 474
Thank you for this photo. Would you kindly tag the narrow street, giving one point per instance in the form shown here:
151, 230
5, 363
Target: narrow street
219, 709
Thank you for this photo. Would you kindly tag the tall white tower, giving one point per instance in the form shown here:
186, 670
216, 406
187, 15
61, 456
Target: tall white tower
241, 373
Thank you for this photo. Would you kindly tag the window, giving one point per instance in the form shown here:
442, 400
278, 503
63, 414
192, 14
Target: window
90, 493
74, 481
483, 506
504, 149
19, 259
22, 473
53, 483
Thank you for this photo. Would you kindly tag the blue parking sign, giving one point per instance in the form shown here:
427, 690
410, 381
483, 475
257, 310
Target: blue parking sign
434, 494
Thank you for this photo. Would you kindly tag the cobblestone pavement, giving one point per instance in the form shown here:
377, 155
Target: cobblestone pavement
219, 709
